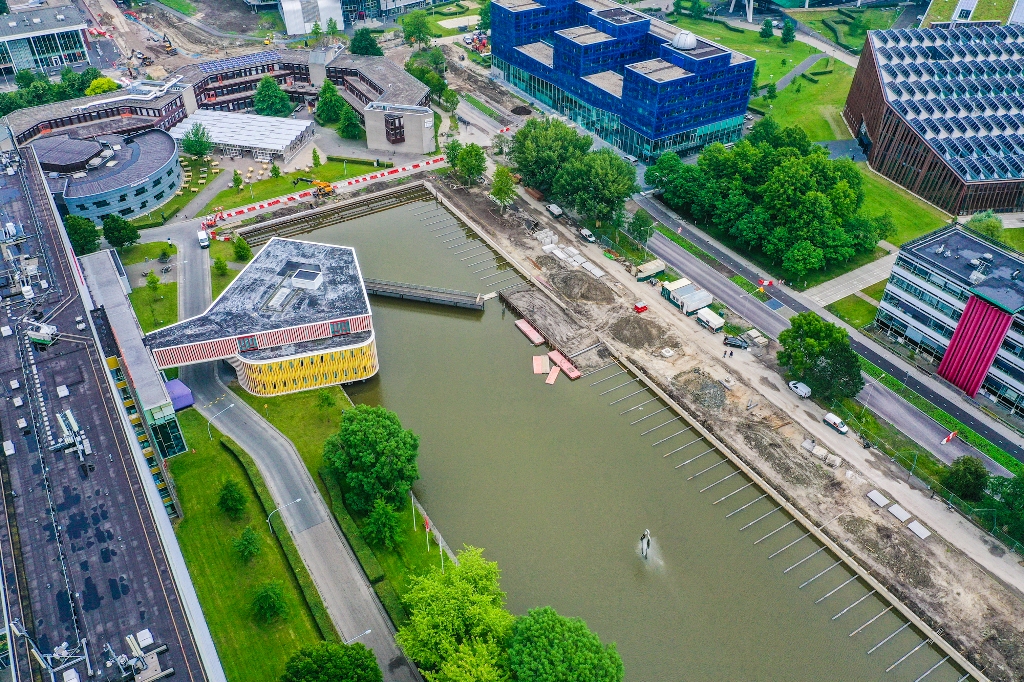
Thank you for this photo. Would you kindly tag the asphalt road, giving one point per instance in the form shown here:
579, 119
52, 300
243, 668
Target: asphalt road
347, 594
913, 422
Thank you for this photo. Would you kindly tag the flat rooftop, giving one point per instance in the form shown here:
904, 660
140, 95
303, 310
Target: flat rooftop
266, 295
102, 277
542, 52
584, 35
985, 268
135, 161
609, 81
659, 70
245, 130
40, 21
398, 85
620, 15
518, 5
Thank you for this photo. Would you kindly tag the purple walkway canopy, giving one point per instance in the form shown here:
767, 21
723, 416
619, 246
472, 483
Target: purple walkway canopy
181, 395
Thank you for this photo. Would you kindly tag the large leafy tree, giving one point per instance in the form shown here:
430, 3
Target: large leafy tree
547, 647
363, 42
967, 477
102, 85
463, 605
329, 104
473, 661
988, 224
231, 499
118, 232
416, 28
82, 234
381, 527
270, 99
541, 148
503, 187
641, 226
348, 123
471, 162
197, 140
331, 662
374, 455
596, 184
818, 353
485, 16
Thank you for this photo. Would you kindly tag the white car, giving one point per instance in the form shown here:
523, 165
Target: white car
588, 235
801, 389
836, 423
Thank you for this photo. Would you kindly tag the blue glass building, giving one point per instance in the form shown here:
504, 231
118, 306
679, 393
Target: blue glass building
640, 84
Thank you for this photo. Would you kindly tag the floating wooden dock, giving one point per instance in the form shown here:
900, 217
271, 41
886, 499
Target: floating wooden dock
529, 332
566, 366
418, 292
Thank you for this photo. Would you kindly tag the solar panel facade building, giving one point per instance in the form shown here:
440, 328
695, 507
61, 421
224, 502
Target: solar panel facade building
638, 83
941, 112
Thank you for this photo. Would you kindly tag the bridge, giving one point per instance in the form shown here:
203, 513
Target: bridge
418, 292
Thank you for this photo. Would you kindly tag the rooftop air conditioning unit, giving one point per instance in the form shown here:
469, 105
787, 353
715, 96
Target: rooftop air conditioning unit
12, 24
37, 20
60, 17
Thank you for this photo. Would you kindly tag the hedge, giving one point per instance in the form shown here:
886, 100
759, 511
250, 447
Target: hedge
339, 159
159, 222
754, 110
823, 72
309, 591
807, 76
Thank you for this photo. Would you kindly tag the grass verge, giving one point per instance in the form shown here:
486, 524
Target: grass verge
332, 171
137, 253
248, 651
749, 287
687, 244
853, 310
815, 107
913, 217
155, 310
481, 106
875, 290
947, 420
183, 6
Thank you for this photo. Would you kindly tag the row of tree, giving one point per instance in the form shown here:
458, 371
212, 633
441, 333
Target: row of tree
556, 160
468, 161
35, 89
85, 238
778, 195
431, 76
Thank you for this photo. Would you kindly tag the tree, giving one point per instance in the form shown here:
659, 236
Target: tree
247, 544
348, 123
275, 170
416, 28
788, 32
231, 500
197, 140
324, 400
697, 9
967, 478
24, 78
541, 148
381, 527
332, 27
503, 187
836, 375
766, 29
270, 99
471, 162
677, 7
268, 604
818, 353
316, 32
329, 103
770, 92
332, 662
473, 661
118, 232
240, 248
316, 158
449, 100
236, 181
375, 456
641, 226
436, 59
152, 283
464, 604
220, 267
451, 153
485, 16
82, 234
596, 184
101, 85
988, 224
755, 89
363, 42
547, 647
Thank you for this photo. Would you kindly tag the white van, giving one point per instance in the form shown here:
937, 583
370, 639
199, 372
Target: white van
554, 210
836, 423
630, 159
800, 388
204, 239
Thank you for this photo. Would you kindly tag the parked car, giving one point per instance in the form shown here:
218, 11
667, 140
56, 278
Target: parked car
836, 423
588, 235
554, 210
468, 39
735, 342
630, 159
800, 388
776, 23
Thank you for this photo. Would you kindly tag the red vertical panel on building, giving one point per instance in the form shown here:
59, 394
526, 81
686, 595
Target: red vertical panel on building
974, 345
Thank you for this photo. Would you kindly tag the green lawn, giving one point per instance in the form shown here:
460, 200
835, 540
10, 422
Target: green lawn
875, 290
155, 311
183, 6
986, 10
939, 10
331, 171
913, 217
853, 310
768, 53
219, 283
225, 250
481, 106
249, 652
435, 15
138, 253
815, 107
853, 34
171, 207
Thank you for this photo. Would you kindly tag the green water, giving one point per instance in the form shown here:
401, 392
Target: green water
557, 486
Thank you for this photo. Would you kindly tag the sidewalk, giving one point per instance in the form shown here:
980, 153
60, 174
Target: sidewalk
855, 280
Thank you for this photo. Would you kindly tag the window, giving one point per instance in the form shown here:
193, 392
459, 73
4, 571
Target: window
144, 204
247, 343
394, 128
82, 207
169, 172
140, 191
158, 197
340, 327
123, 197
156, 183
126, 211
102, 203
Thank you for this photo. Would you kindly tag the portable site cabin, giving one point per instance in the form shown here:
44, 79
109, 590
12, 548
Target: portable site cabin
650, 270
709, 320
686, 295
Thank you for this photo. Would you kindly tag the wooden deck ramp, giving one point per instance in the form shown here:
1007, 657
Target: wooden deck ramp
419, 292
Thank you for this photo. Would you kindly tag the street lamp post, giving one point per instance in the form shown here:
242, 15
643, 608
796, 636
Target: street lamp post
349, 641
210, 421
297, 499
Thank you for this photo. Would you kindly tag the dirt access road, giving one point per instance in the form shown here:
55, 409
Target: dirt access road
944, 578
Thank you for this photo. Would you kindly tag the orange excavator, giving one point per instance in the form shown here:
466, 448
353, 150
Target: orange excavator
322, 189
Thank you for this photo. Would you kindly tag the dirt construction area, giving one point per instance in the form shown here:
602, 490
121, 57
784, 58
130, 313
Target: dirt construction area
744, 402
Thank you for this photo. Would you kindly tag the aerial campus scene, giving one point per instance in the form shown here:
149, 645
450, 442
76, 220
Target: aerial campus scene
512, 340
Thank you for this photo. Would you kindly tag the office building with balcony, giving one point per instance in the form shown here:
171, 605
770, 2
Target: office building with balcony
957, 298
940, 111
639, 83
41, 39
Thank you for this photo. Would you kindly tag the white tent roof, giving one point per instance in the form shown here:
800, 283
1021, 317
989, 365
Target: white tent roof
247, 131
